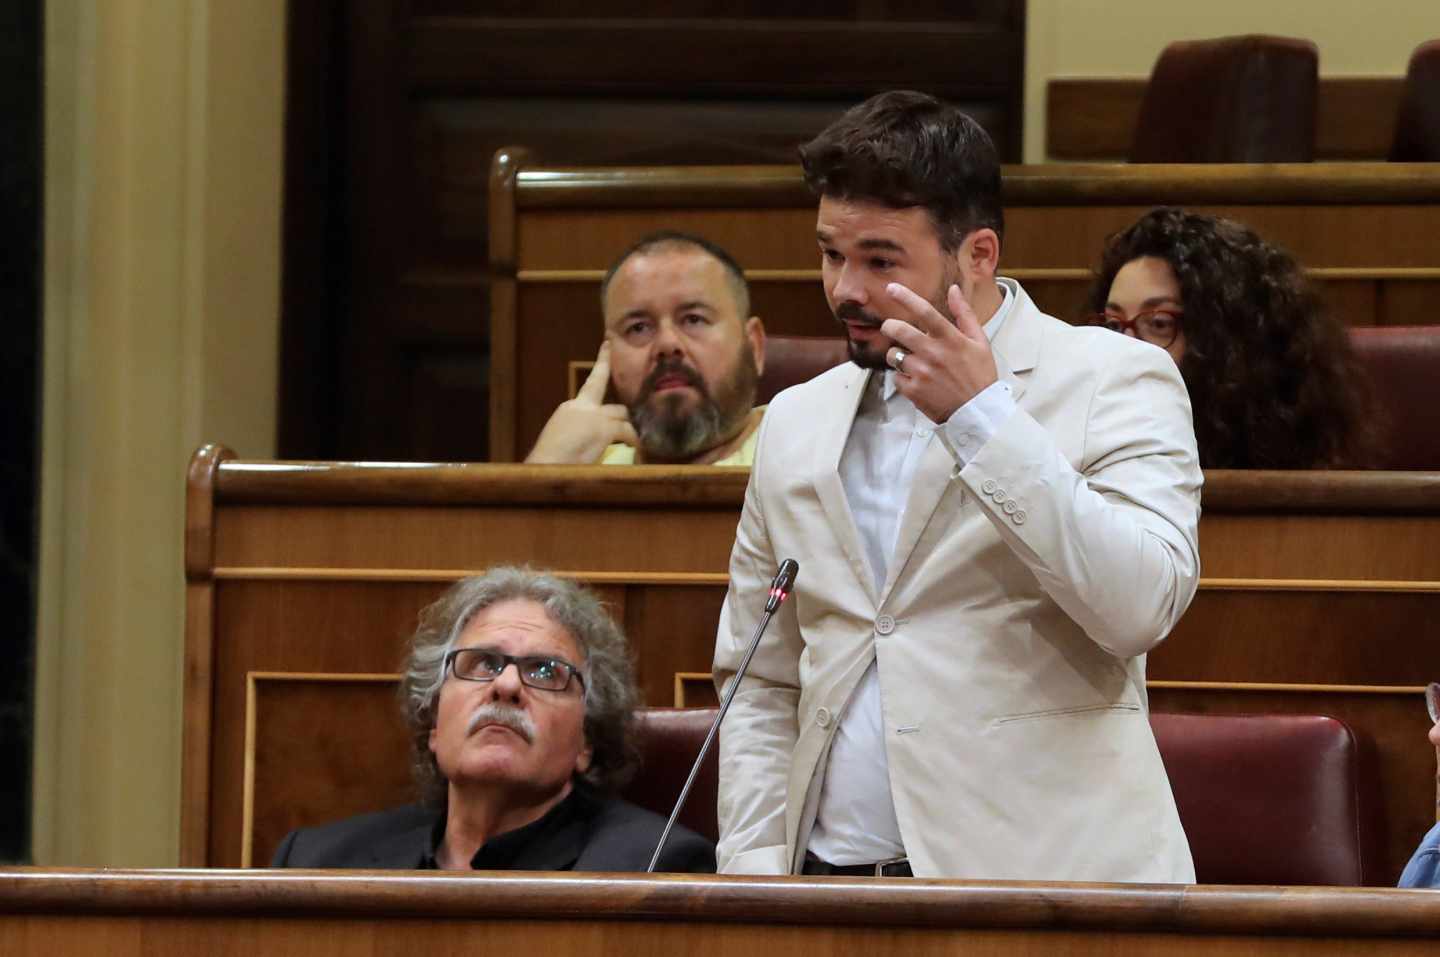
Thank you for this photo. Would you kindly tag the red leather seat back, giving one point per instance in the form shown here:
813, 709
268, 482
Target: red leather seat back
790, 360
669, 740
1265, 799
1417, 125
1246, 99
1403, 363
1272, 799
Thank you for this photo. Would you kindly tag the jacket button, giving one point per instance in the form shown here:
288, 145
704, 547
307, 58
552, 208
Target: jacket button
1000, 496
884, 624
988, 486
1019, 517
1010, 506
822, 717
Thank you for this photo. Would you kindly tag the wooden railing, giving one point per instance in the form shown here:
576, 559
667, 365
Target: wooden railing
163, 913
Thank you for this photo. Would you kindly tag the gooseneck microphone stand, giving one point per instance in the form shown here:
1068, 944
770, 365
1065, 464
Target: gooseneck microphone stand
779, 591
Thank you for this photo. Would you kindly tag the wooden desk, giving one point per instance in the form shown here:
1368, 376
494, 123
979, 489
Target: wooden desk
1319, 595
313, 913
1365, 231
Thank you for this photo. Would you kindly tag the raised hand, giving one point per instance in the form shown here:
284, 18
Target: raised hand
941, 365
581, 428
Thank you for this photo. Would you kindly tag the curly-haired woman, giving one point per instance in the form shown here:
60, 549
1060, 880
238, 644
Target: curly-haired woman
1273, 381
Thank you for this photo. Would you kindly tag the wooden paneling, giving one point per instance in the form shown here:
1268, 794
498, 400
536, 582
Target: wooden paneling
319, 748
1365, 231
1094, 119
121, 913
397, 107
1317, 578
1270, 635
311, 627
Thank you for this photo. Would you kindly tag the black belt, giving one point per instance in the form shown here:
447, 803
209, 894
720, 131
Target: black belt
899, 867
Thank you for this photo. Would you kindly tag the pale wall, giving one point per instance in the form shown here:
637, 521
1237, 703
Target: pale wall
162, 237
1088, 38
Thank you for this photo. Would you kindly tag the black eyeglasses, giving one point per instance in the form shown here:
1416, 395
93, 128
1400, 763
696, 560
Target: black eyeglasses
1158, 326
536, 671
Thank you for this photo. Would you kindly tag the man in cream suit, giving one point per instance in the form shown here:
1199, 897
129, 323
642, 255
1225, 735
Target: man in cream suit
995, 518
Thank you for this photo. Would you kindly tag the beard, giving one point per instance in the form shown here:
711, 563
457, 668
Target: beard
866, 355
672, 429
871, 355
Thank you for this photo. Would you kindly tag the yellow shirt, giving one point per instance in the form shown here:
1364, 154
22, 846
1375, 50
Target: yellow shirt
622, 454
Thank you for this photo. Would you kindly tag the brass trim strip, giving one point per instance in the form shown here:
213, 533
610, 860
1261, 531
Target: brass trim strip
261, 573
336, 677
247, 781
1035, 273
1260, 686
1361, 585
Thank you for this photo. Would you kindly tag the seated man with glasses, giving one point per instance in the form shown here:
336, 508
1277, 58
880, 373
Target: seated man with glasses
519, 692
1272, 379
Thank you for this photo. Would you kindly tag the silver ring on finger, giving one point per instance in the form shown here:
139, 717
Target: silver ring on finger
899, 364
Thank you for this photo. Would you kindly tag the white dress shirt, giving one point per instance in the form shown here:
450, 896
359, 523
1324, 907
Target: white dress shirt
855, 818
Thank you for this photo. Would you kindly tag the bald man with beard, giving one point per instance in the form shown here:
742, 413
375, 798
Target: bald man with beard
684, 357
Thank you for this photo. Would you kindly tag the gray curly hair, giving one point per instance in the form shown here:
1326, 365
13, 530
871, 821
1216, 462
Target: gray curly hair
610, 695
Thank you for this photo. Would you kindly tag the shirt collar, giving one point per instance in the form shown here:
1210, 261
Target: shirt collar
552, 842
886, 383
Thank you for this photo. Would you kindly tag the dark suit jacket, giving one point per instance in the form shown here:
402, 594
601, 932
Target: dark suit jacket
606, 834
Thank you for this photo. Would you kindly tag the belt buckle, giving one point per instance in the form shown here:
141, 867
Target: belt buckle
893, 862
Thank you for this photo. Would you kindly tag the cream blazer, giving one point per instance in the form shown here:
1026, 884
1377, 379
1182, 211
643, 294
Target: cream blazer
1011, 634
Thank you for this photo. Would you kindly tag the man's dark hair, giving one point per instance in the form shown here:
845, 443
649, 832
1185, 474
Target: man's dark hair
903, 149
669, 240
1271, 375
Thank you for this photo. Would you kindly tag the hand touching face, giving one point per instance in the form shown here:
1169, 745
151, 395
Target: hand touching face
897, 290
582, 428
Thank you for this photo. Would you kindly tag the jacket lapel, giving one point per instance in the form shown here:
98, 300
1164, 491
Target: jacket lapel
932, 478
1015, 347
828, 487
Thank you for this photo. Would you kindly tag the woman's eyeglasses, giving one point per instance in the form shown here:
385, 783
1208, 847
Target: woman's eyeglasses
1158, 326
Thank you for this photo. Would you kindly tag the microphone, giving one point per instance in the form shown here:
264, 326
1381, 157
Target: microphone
780, 589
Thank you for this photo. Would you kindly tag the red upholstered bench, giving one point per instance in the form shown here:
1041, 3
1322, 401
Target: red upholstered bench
1245, 99
790, 360
670, 740
1404, 367
1272, 799
1265, 799
1417, 125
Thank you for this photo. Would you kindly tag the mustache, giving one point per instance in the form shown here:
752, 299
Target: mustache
671, 366
853, 312
516, 719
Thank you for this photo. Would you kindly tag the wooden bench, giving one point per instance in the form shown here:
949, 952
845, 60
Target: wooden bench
1317, 594
1365, 231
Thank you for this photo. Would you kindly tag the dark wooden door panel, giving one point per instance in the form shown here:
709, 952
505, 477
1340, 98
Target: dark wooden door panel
396, 107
